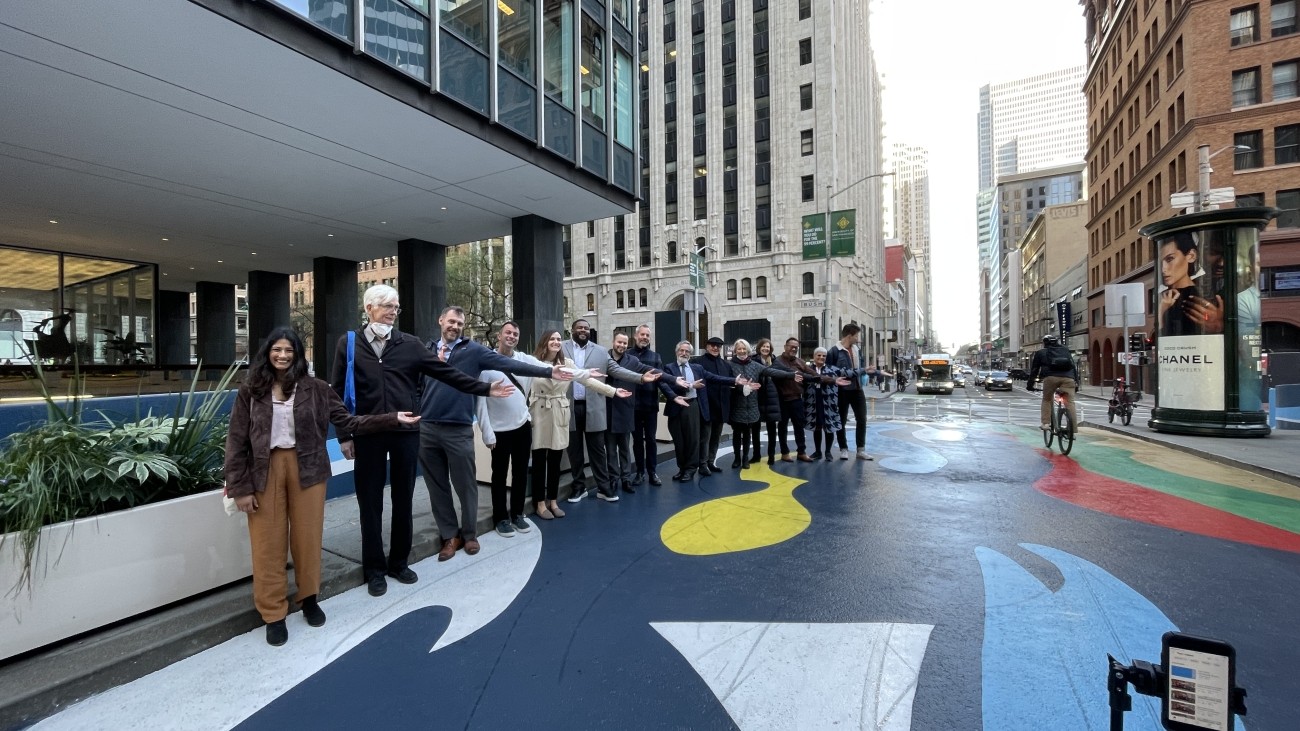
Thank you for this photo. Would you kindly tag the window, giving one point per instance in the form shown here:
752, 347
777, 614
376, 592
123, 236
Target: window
760, 287
805, 51
1282, 19
1286, 144
1248, 200
731, 289
1284, 80
591, 303
641, 296
1243, 26
557, 40
1253, 156
591, 229
808, 185
672, 252
1289, 203
805, 9
618, 300
805, 97
808, 283
806, 142
1245, 87
593, 73
591, 263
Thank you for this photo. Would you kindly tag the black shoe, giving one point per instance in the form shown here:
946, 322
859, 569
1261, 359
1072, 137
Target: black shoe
705, 471
736, 463
377, 585
688, 475
638, 478
680, 477
405, 576
609, 497
628, 487
312, 612
713, 466
654, 480
579, 485
815, 455
276, 633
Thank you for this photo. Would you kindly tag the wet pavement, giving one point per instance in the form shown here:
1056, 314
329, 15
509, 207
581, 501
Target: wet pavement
966, 579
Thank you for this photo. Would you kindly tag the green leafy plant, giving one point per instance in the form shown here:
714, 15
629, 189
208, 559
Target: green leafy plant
77, 464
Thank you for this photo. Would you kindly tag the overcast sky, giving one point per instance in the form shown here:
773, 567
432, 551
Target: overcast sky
934, 56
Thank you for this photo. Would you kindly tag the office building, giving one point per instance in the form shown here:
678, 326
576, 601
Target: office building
910, 185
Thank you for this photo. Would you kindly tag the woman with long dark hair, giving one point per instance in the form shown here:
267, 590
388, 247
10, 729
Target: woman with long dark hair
548, 408
276, 468
1179, 262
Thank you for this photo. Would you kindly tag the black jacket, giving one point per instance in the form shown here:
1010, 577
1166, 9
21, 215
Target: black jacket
719, 392
1042, 365
647, 394
389, 384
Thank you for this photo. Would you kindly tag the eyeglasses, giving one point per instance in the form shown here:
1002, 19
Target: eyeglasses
392, 307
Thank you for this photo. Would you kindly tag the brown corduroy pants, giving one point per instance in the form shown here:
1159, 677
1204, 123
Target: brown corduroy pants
289, 519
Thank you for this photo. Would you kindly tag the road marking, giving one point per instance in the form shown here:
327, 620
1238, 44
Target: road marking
740, 522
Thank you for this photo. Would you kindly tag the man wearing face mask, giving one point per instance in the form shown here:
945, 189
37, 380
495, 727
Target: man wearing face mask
387, 365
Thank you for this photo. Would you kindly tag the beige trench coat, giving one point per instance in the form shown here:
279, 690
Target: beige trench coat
548, 407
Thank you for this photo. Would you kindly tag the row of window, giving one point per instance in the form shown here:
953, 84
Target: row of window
1286, 201
1244, 23
1247, 86
631, 299
1250, 147
371, 264
749, 289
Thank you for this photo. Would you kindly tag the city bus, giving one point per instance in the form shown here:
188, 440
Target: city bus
934, 373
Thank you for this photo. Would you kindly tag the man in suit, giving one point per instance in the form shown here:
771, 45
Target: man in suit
719, 394
589, 420
688, 407
387, 364
644, 446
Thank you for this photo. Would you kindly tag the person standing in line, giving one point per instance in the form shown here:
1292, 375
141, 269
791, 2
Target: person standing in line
746, 422
683, 410
589, 418
276, 467
621, 414
848, 356
551, 411
507, 431
447, 431
718, 391
646, 424
792, 406
822, 413
387, 366
769, 398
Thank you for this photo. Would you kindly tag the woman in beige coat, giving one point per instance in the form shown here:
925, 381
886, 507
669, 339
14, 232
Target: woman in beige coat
548, 408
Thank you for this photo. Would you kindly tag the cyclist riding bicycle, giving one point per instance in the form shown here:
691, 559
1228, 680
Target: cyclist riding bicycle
1058, 370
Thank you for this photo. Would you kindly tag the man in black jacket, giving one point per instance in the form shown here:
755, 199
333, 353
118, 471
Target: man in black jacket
848, 356
646, 424
386, 367
1058, 370
718, 393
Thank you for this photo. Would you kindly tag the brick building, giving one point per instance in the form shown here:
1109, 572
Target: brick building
1164, 77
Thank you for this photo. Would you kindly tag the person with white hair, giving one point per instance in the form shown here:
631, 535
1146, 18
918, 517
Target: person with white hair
384, 366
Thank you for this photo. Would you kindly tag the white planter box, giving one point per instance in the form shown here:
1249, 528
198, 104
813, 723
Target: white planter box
94, 571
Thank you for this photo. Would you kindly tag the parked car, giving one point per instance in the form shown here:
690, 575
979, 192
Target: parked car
981, 377
998, 381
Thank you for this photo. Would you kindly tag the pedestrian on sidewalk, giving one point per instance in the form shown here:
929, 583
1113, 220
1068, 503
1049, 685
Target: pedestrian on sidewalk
276, 467
551, 413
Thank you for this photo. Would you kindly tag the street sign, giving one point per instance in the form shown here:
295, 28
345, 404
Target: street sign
844, 227
1213, 196
1129, 358
814, 236
696, 271
812, 304
1121, 296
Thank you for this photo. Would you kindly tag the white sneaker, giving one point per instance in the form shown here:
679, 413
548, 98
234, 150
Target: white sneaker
844, 453
862, 454
1046, 427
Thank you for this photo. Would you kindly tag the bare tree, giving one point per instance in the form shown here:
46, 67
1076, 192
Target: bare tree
478, 280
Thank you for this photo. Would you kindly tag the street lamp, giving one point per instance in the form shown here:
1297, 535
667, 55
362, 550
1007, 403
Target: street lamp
827, 334
1203, 168
695, 291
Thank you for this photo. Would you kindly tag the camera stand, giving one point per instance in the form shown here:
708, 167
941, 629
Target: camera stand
1148, 679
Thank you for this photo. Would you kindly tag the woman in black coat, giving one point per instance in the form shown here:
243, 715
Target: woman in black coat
769, 400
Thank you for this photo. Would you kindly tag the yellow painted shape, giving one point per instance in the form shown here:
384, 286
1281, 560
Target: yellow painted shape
740, 522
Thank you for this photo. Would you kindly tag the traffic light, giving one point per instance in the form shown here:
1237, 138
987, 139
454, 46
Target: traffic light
1137, 342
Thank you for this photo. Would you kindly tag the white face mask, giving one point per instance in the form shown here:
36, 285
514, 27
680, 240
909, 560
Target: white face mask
381, 329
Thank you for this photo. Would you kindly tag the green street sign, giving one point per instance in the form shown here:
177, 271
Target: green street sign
814, 236
844, 226
696, 270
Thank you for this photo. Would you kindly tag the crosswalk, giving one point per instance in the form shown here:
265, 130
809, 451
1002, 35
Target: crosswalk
1019, 407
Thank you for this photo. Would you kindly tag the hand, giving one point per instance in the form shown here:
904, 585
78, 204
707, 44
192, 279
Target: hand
501, 389
742, 380
1167, 300
699, 383
246, 503
595, 374
681, 401
755, 385
798, 378
404, 417
842, 381
650, 376
560, 373
623, 393
1207, 314
682, 383
348, 448
490, 445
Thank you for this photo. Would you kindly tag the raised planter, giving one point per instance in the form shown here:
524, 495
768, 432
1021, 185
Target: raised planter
95, 571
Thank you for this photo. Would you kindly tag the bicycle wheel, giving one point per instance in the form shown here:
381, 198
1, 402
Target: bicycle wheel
1110, 414
1128, 414
1047, 437
1065, 432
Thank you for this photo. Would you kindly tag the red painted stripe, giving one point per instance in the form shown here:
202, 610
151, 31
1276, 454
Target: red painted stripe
1070, 482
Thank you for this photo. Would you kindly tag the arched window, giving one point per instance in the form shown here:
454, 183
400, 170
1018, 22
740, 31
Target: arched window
644, 300
808, 285
631, 298
731, 289
746, 288
591, 303
699, 245
618, 300
760, 287
672, 252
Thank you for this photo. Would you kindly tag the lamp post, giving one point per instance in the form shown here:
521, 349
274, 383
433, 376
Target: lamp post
827, 333
696, 276
1203, 169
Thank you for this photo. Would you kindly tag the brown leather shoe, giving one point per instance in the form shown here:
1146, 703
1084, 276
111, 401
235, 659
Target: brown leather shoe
787, 458
471, 546
805, 458
449, 548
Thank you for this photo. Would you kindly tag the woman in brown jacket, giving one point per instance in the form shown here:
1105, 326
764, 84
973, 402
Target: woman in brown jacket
276, 468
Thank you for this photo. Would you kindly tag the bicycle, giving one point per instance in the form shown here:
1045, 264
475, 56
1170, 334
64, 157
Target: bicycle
1062, 426
1121, 403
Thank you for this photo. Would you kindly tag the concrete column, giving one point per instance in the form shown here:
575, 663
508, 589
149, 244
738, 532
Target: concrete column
268, 306
537, 248
172, 347
421, 286
336, 308
215, 323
